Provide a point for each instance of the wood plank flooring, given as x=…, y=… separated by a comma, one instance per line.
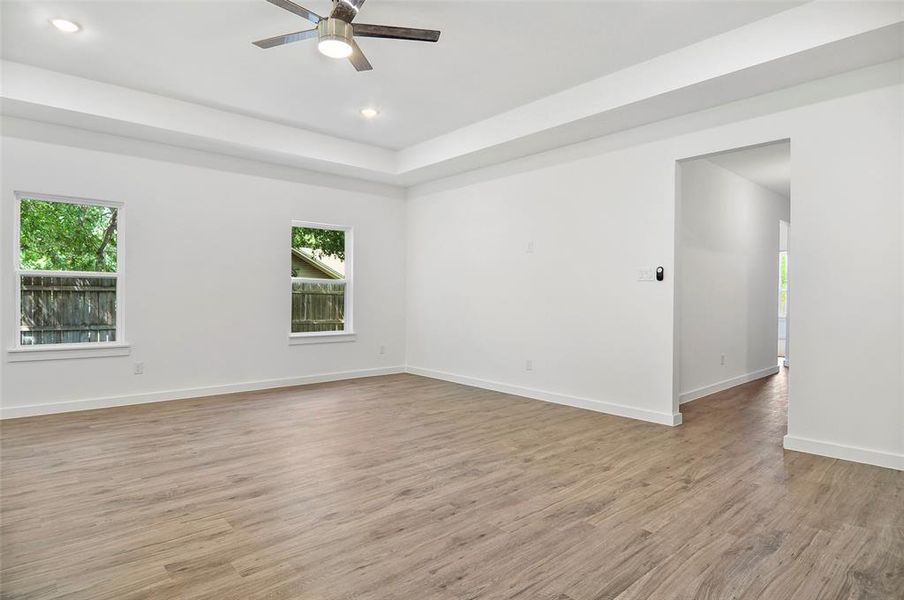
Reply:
x=402, y=487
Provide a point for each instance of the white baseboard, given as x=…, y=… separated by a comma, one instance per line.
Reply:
x=609, y=408
x=879, y=458
x=12, y=412
x=726, y=384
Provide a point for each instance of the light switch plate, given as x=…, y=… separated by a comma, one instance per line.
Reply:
x=646, y=274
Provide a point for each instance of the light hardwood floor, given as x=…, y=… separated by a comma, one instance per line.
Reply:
x=402, y=487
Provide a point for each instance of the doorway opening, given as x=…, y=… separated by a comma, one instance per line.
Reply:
x=732, y=274
x=784, y=287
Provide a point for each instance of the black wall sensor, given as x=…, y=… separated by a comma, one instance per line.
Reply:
x=660, y=273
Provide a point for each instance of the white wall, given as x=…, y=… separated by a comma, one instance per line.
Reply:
x=207, y=267
x=479, y=305
x=728, y=278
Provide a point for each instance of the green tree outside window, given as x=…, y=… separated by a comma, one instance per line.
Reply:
x=59, y=236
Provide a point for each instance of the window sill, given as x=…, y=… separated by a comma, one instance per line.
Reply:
x=66, y=351
x=321, y=338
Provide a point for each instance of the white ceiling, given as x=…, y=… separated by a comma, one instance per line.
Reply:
x=768, y=166
x=492, y=57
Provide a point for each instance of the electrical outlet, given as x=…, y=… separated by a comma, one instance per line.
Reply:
x=529, y=365
x=530, y=247
x=138, y=368
x=382, y=349
x=722, y=360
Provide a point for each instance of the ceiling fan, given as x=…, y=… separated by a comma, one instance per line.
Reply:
x=336, y=33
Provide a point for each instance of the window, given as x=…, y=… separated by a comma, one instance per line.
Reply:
x=321, y=279
x=782, y=284
x=68, y=272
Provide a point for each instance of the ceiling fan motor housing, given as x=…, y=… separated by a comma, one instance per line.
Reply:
x=335, y=29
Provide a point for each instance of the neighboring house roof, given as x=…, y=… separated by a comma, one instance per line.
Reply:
x=321, y=270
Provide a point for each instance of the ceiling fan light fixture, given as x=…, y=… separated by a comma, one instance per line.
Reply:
x=335, y=38
x=334, y=48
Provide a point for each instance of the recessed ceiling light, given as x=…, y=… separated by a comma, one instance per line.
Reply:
x=369, y=113
x=66, y=25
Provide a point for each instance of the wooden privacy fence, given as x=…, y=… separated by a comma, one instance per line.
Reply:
x=317, y=306
x=62, y=310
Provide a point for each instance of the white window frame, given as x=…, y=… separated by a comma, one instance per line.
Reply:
x=18, y=351
x=348, y=332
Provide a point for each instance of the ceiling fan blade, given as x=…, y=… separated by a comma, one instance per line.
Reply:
x=346, y=9
x=288, y=38
x=358, y=59
x=298, y=10
x=395, y=33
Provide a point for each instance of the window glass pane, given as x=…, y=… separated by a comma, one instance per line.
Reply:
x=318, y=253
x=59, y=236
x=783, y=284
x=318, y=306
x=68, y=310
